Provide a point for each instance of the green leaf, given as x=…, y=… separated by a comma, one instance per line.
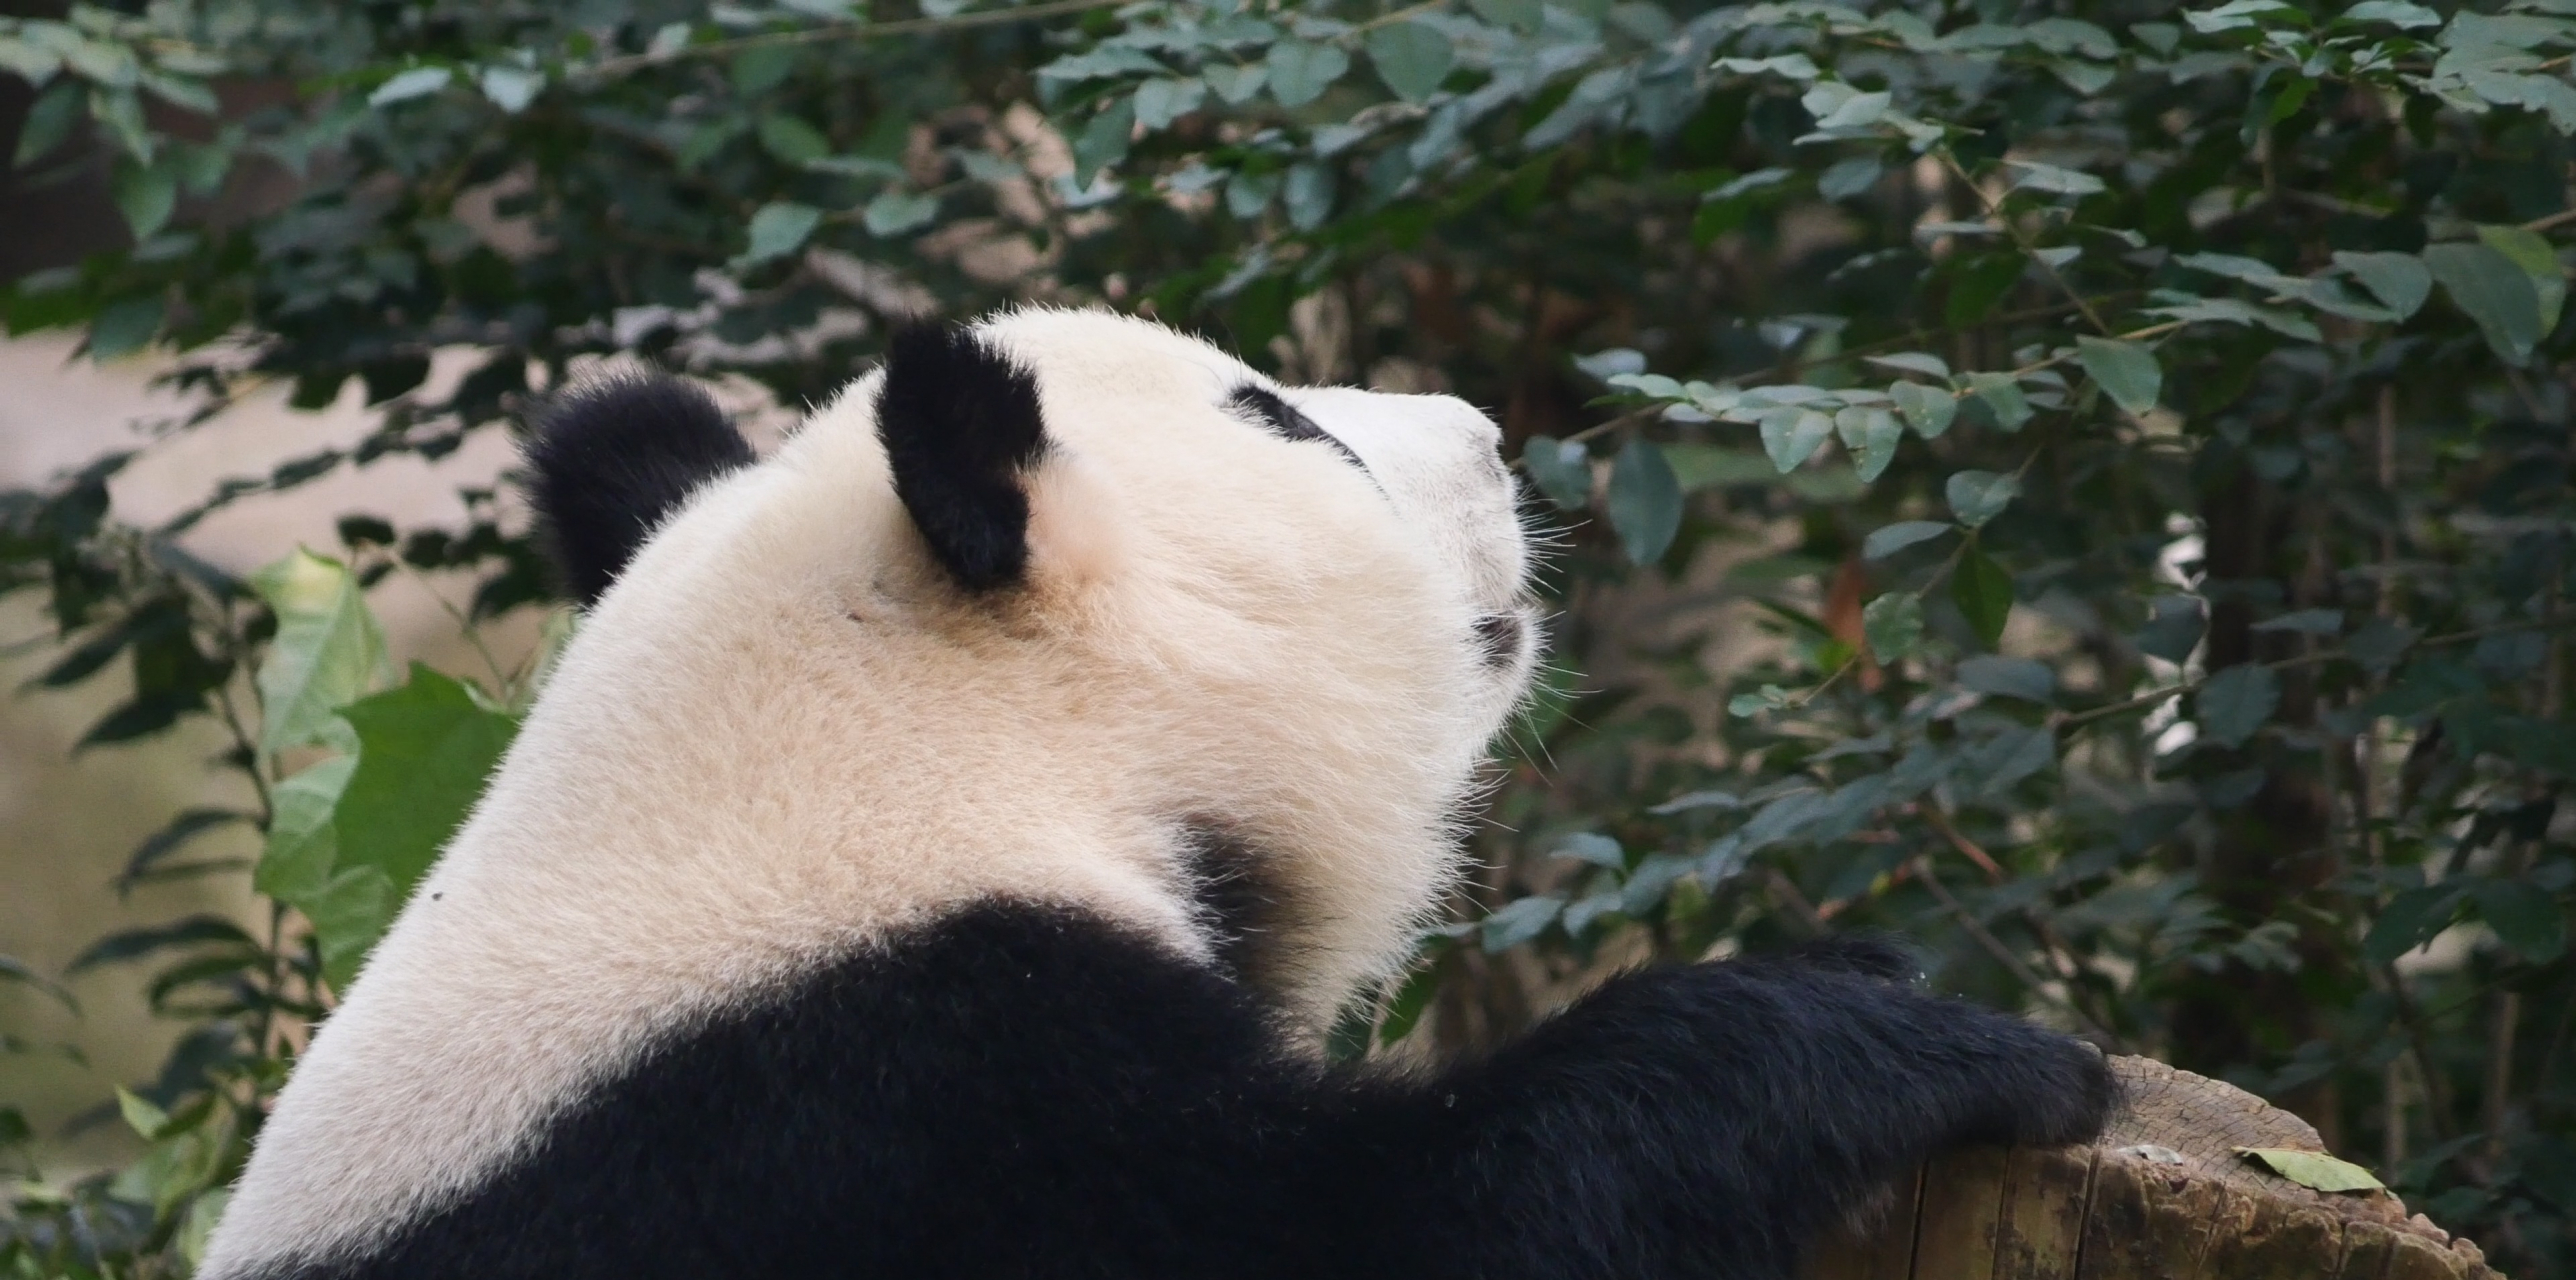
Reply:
x=1103, y=142
x=2054, y=180
x=1887, y=541
x=2174, y=626
x=1929, y=410
x=2236, y=701
x=424, y=750
x=1691, y=800
x=145, y=194
x=1645, y=501
x=2494, y=291
x=1849, y=178
x=763, y=67
x=328, y=650
x=1562, y=469
x=418, y=82
x=1922, y=362
x=510, y=88
x=1984, y=594
x=2008, y=677
x=2237, y=311
x=894, y=212
x=204, y=1213
x=1248, y=194
x=1300, y=71
x=1411, y=1001
x=2396, y=13
x=2398, y=280
x=145, y=1119
x=122, y=113
x=1309, y=195
x=1792, y=435
x=1980, y=283
x=1979, y=496
x=1108, y=62
x=2234, y=15
x=50, y=122
x=2532, y=252
x=126, y=326
x=792, y=140
x=1412, y=57
x=2126, y=371
x=1519, y=921
x=779, y=228
x=1160, y=102
x=2409, y=921
x=1521, y=14
x=1893, y=625
x=2314, y=1170
x=1871, y=435
x=1237, y=85
x=1592, y=847
x=2379, y=643
x=1837, y=105
x=296, y=864
x=2525, y=917
x=349, y=916
x=1796, y=66
x=1701, y=466
x=28, y=61
x=1994, y=765
x=2306, y=622
x=2003, y=396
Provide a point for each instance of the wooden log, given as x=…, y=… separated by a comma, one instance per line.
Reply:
x=2163, y=1196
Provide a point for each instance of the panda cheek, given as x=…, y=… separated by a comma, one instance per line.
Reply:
x=1500, y=638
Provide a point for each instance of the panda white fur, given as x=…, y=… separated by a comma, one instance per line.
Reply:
x=943, y=845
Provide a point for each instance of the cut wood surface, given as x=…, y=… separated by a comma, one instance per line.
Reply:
x=2163, y=1196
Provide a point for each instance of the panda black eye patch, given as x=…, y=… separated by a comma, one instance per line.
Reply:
x=1284, y=421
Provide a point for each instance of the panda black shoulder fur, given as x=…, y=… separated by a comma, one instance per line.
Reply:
x=942, y=845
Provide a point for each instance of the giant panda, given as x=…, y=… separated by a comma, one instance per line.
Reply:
x=946, y=841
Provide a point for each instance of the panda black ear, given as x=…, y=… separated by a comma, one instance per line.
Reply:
x=962, y=430
x=609, y=460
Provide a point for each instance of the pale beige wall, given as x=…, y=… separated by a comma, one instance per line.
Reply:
x=67, y=823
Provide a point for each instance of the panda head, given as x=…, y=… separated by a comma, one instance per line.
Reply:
x=1063, y=605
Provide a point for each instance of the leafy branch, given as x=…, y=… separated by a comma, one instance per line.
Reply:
x=828, y=33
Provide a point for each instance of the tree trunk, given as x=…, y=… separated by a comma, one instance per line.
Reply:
x=2163, y=1196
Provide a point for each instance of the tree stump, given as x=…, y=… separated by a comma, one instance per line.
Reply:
x=2163, y=1196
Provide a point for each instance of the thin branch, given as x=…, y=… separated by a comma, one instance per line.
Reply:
x=1967, y=848
x=2552, y=222
x=2157, y=697
x=1390, y=19
x=464, y=627
x=2003, y=955
x=610, y=68
x=2021, y=241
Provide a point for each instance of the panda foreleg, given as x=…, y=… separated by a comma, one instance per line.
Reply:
x=1711, y=1120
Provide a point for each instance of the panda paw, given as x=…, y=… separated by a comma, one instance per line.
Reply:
x=1966, y=1073
x=2069, y=1095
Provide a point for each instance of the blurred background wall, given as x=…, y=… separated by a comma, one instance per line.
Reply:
x=67, y=822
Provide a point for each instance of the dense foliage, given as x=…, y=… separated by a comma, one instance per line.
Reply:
x=2086, y=484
